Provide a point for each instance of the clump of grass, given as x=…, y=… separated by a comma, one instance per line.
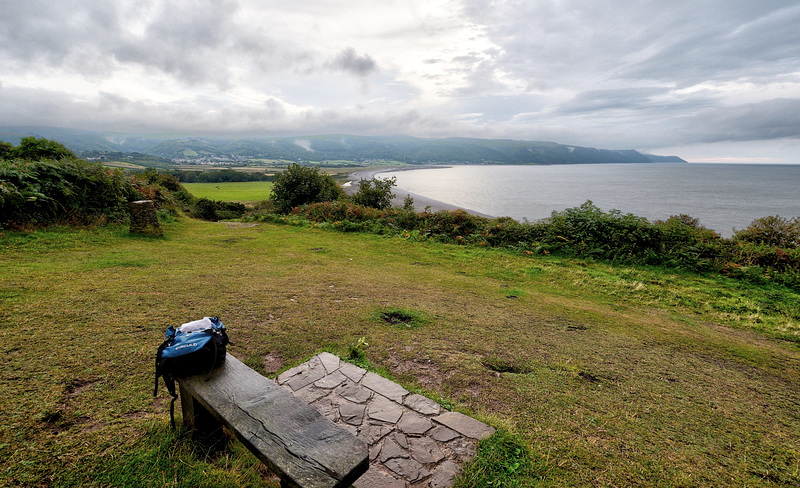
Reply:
x=401, y=317
x=356, y=353
x=502, y=460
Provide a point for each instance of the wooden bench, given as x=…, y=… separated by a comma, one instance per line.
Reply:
x=296, y=442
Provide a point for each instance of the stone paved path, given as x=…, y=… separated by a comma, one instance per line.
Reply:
x=413, y=442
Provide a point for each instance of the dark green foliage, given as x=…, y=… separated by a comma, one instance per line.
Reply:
x=688, y=245
x=66, y=191
x=585, y=231
x=408, y=203
x=215, y=210
x=35, y=149
x=219, y=176
x=5, y=150
x=772, y=231
x=375, y=193
x=588, y=231
x=301, y=185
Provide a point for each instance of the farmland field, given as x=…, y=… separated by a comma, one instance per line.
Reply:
x=247, y=191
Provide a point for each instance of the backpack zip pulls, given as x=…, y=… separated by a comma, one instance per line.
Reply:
x=193, y=348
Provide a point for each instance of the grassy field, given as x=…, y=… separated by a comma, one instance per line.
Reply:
x=612, y=376
x=247, y=191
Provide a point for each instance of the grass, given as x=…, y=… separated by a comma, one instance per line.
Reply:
x=247, y=191
x=600, y=375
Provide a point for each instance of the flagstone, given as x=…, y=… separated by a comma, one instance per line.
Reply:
x=382, y=386
x=464, y=425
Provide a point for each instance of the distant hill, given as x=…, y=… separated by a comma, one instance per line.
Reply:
x=409, y=150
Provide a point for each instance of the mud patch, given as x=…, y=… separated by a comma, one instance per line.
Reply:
x=77, y=387
x=273, y=362
x=428, y=374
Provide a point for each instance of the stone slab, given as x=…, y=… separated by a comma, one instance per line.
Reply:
x=384, y=410
x=354, y=393
x=353, y=372
x=382, y=386
x=329, y=362
x=352, y=413
x=423, y=405
x=414, y=424
x=465, y=425
x=331, y=380
x=425, y=450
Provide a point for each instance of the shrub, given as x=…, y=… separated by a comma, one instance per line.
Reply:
x=772, y=231
x=408, y=203
x=687, y=244
x=587, y=230
x=37, y=149
x=375, y=193
x=6, y=150
x=66, y=191
x=301, y=185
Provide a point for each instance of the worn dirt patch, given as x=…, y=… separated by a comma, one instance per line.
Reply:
x=77, y=387
x=428, y=374
x=273, y=362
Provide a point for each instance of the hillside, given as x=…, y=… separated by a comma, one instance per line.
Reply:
x=608, y=375
x=333, y=148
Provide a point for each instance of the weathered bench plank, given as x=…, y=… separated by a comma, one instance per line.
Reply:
x=292, y=438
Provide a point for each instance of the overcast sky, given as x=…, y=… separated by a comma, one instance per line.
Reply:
x=703, y=79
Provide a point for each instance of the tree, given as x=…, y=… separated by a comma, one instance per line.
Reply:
x=38, y=149
x=300, y=185
x=375, y=193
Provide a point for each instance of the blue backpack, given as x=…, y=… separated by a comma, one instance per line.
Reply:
x=193, y=348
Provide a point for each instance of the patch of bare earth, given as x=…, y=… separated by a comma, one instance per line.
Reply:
x=273, y=363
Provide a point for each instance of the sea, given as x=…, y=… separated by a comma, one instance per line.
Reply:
x=723, y=197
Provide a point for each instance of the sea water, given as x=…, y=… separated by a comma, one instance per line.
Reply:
x=721, y=196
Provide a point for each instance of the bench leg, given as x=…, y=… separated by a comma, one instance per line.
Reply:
x=205, y=427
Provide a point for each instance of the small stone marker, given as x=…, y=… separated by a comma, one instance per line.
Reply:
x=144, y=219
x=412, y=441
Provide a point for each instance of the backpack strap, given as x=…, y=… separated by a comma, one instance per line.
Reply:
x=169, y=382
x=158, y=365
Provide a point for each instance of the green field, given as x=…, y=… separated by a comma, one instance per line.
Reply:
x=610, y=375
x=247, y=191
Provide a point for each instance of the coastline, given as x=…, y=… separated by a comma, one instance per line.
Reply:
x=420, y=202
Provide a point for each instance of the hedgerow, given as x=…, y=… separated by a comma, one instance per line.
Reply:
x=66, y=191
x=38, y=193
x=585, y=232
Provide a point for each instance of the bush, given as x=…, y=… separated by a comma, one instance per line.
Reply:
x=301, y=185
x=771, y=231
x=214, y=210
x=33, y=149
x=680, y=242
x=375, y=193
x=588, y=231
x=65, y=191
x=687, y=244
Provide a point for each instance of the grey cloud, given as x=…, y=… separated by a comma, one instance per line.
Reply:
x=682, y=41
x=740, y=44
x=350, y=62
x=25, y=106
x=195, y=42
x=773, y=119
x=616, y=99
